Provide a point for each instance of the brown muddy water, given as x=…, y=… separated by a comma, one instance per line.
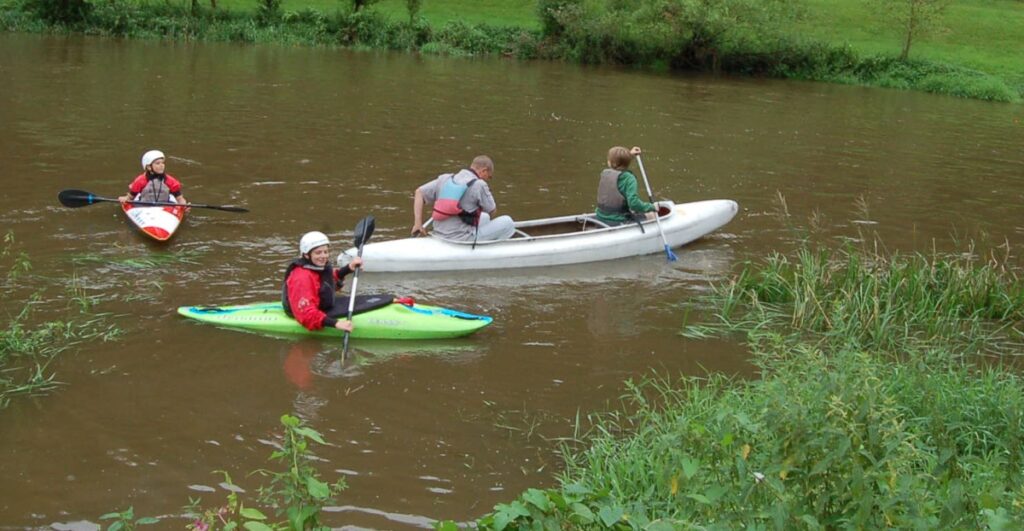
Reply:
x=316, y=139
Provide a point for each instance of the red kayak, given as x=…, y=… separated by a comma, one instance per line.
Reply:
x=157, y=222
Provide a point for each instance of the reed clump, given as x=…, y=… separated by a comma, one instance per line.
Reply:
x=29, y=346
x=864, y=300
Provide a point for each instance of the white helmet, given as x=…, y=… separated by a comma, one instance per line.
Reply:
x=150, y=156
x=312, y=240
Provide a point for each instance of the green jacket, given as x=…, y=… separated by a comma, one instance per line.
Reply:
x=627, y=186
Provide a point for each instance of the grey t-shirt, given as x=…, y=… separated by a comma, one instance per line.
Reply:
x=476, y=196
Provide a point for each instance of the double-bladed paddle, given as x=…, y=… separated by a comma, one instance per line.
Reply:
x=657, y=215
x=81, y=198
x=364, y=229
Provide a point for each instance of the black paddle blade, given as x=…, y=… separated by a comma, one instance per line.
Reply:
x=364, y=229
x=77, y=198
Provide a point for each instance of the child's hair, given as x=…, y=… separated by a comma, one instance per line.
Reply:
x=619, y=158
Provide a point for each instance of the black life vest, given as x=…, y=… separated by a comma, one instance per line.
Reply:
x=327, y=285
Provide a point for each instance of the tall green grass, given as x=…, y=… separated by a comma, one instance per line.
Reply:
x=854, y=299
x=873, y=409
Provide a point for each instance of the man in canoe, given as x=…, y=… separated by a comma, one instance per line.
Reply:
x=310, y=282
x=463, y=207
x=618, y=201
x=153, y=184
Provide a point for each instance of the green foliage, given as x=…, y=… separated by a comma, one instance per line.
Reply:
x=69, y=13
x=554, y=13
x=125, y=520
x=296, y=494
x=268, y=11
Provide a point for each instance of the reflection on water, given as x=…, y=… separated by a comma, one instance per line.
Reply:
x=316, y=139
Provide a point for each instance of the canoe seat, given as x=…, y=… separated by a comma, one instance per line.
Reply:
x=592, y=220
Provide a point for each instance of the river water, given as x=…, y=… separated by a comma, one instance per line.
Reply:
x=315, y=139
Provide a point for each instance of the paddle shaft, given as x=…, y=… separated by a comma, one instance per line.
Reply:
x=657, y=215
x=80, y=198
x=351, y=305
x=352, y=294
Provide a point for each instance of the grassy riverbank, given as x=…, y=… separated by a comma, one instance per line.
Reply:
x=837, y=41
x=883, y=403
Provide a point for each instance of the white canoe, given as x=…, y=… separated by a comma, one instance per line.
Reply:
x=550, y=241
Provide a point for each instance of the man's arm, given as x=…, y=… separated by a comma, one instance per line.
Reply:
x=417, y=214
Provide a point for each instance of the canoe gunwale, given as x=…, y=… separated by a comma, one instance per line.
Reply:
x=581, y=219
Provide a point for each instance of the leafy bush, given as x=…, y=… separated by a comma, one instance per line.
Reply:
x=553, y=14
x=268, y=11
x=69, y=13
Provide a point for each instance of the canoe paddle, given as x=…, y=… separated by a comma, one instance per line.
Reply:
x=657, y=215
x=364, y=229
x=81, y=198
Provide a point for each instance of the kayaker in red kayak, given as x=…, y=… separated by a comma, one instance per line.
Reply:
x=154, y=184
x=310, y=283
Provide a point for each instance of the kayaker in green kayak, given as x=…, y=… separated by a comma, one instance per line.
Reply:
x=618, y=201
x=310, y=283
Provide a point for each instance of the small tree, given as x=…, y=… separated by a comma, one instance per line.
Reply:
x=414, y=9
x=912, y=18
x=268, y=11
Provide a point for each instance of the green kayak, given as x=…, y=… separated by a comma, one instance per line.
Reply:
x=391, y=321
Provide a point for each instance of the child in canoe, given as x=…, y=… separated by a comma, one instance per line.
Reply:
x=617, y=198
x=310, y=282
x=153, y=184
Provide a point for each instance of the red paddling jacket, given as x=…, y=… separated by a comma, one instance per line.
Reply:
x=308, y=292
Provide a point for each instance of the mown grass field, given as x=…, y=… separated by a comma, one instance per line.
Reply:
x=986, y=35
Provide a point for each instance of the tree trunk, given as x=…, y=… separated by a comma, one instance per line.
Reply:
x=906, y=46
x=911, y=27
